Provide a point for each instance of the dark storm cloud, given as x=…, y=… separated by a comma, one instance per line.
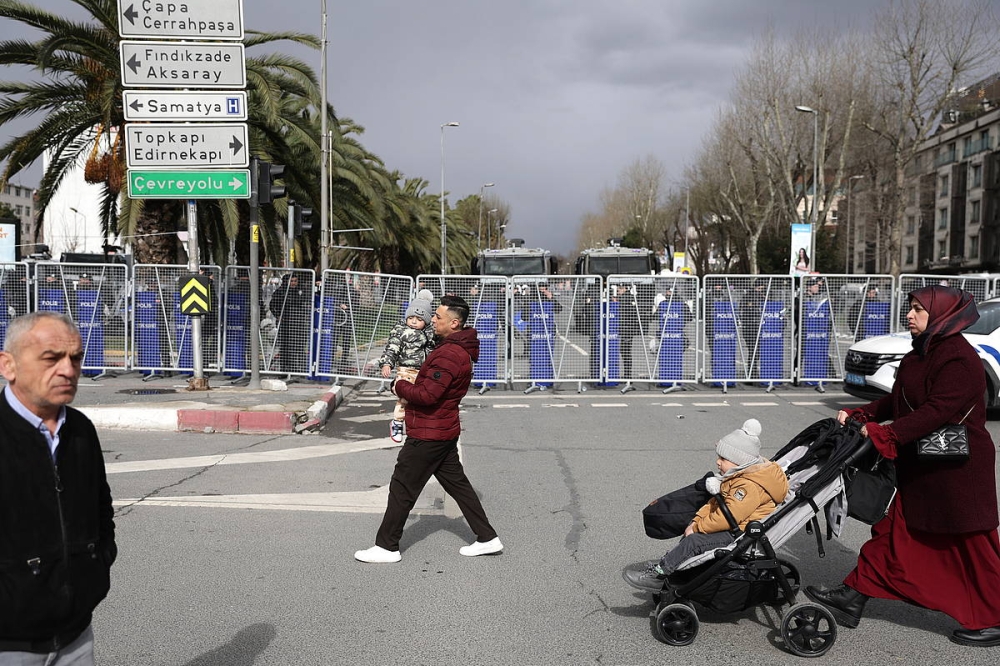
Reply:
x=555, y=97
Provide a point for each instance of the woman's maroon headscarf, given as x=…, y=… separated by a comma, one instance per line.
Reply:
x=950, y=311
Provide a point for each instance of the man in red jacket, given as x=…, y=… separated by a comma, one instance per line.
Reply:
x=432, y=430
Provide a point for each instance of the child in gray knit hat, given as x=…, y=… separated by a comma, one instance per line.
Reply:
x=750, y=485
x=409, y=343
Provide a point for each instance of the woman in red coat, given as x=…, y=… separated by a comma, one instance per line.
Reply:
x=938, y=547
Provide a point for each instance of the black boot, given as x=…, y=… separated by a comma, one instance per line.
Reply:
x=845, y=603
x=977, y=637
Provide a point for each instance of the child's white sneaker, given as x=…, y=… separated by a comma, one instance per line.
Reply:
x=476, y=548
x=378, y=555
x=396, y=431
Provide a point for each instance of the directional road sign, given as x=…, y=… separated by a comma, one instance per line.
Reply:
x=221, y=184
x=196, y=296
x=181, y=19
x=191, y=145
x=182, y=65
x=181, y=106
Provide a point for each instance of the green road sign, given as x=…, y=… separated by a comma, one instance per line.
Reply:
x=179, y=184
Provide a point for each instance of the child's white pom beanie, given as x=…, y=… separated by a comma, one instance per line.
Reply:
x=741, y=446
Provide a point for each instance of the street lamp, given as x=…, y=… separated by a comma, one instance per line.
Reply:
x=812, y=234
x=479, y=243
x=489, y=228
x=444, y=227
x=848, y=251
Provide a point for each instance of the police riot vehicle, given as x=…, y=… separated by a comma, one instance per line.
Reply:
x=515, y=259
x=617, y=260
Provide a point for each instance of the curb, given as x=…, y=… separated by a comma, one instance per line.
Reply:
x=321, y=410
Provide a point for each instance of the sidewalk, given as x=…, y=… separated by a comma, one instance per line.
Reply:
x=127, y=402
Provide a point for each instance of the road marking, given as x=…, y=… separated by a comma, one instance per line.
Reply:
x=360, y=501
x=568, y=404
x=758, y=404
x=369, y=404
x=579, y=349
x=609, y=404
x=282, y=455
x=808, y=404
x=710, y=404
x=514, y=406
x=672, y=404
x=367, y=418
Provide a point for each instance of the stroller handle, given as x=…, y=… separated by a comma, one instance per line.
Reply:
x=862, y=450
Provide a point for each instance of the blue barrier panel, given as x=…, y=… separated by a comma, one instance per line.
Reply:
x=772, y=341
x=147, y=331
x=3, y=317
x=670, y=361
x=237, y=330
x=876, y=319
x=486, y=370
x=724, y=340
x=53, y=300
x=185, y=342
x=91, y=327
x=817, y=325
x=612, y=358
x=541, y=326
x=326, y=348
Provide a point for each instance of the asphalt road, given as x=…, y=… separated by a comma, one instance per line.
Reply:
x=237, y=550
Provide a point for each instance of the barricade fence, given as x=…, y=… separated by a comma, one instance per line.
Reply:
x=534, y=330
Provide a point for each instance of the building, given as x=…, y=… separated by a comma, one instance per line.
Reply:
x=21, y=200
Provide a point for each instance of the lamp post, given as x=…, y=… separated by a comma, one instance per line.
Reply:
x=812, y=234
x=848, y=252
x=479, y=242
x=489, y=228
x=324, y=137
x=444, y=227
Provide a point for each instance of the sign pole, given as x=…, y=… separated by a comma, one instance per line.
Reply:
x=198, y=382
x=254, y=278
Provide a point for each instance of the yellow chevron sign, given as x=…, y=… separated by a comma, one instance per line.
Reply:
x=196, y=295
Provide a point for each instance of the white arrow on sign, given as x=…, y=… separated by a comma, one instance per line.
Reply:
x=184, y=106
x=193, y=145
x=218, y=19
x=182, y=65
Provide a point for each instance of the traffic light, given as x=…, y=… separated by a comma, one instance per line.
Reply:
x=301, y=220
x=267, y=190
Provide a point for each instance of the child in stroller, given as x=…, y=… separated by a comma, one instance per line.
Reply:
x=750, y=487
x=746, y=572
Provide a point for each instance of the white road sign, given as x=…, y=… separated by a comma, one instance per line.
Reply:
x=182, y=65
x=181, y=19
x=155, y=145
x=181, y=106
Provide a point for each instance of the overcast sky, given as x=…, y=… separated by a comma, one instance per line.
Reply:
x=554, y=97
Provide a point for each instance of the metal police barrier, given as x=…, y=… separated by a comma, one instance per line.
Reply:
x=651, y=330
x=979, y=287
x=355, y=313
x=747, y=324
x=14, y=295
x=834, y=312
x=285, y=335
x=161, y=339
x=96, y=297
x=488, y=314
x=555, y=324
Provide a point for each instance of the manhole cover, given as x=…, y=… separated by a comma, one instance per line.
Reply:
x=152, y=391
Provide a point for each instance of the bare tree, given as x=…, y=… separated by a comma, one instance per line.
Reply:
x=922, y=51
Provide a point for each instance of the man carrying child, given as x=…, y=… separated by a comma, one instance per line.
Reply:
x=407, y=349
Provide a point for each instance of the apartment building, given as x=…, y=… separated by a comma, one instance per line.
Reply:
x=21, y=200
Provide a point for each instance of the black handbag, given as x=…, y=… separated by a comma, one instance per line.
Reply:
x=870, y=487
x=949, y=443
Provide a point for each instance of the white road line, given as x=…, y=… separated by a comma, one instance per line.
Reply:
x=758, y=404
x=609, y=404
x=808, y=404
x=672, y=404
x=369, y=404
x=710, y=404
x=568, y=404
x=579, y=349
x=514, y=406
x=367, y=418
x=281, y=455
x=361, y=501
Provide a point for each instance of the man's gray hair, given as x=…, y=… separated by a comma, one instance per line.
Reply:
x=21, y=325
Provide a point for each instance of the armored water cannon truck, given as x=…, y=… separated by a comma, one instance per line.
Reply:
x=617, y=260
x=515, y=259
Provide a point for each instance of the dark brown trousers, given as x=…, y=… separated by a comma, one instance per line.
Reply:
x=418, y=460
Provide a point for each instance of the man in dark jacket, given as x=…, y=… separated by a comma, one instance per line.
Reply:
x=431, y=446
x=57, y=533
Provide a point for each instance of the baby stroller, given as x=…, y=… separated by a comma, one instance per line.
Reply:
x=819, y=462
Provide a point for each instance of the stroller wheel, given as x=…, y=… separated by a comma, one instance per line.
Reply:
x=794, y=579
x=677, y=624
x=808, y=630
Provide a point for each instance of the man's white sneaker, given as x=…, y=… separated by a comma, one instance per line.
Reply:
x=378, y=555
x=476, y=548
x=396, y=431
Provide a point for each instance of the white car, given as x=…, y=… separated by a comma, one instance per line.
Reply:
x=871, y=365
